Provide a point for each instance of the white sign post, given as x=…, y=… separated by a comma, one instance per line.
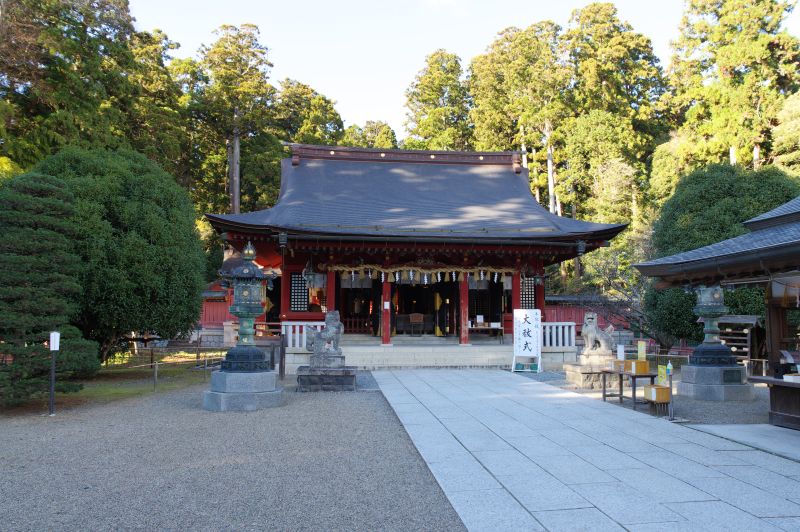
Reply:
x=527, y=340
x=55, y=340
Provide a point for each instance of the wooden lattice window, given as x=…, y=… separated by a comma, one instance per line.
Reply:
x=299, y=293
x=528, y=293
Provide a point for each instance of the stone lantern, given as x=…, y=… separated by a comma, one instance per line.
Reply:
x=713, y=373
x=249, y=297
x=245, y=380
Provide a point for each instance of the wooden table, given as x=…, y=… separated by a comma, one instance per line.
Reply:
x=784, y=401
x=632, y=376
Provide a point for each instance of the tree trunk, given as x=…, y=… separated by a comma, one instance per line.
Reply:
x=732, y=155
x=551, y=180
x=233, y=164
x=756, y=156
x=235, y=180
x=578, y=265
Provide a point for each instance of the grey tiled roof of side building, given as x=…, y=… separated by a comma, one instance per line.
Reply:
x=790, y=207
x=412, y=200
x=763, y=239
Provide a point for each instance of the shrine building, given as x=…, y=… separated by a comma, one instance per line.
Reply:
x=435, y=243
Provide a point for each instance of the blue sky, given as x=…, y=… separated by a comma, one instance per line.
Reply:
x=364, y=54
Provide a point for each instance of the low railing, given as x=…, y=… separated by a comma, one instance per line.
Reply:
x=295, y=332
x=558, y=334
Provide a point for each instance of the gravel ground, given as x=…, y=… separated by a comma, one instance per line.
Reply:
x=325, y=461
x=686, y=409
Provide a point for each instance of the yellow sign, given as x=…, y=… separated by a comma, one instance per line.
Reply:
x=642, y=350
x=662, y=374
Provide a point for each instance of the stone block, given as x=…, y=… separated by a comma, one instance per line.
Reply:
x=713, y=374
x=716, y=392
x=240, y=382
x=242, y=402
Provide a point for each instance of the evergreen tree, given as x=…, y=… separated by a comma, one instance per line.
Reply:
x=234, y=94
x=732, y=67
x=786, y=135
x=374, y=134
x=64, y=76
x=142, y=260
x=438, y=106
x=39, y=288
x=301, y=114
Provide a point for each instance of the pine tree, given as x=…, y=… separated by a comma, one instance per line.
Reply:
x=39, y=288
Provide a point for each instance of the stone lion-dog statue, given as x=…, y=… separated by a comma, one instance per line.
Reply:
x=596, y=340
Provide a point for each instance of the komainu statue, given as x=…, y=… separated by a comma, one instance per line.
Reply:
x=326, y=341
x=596, y=340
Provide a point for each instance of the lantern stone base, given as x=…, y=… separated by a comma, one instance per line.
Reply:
x=243, y=392
x=715, y=383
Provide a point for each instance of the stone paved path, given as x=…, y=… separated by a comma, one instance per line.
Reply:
x=515, y=454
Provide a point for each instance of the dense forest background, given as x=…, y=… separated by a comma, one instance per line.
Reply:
x=609, y=133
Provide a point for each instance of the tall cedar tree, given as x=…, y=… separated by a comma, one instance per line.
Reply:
x=438, y=106
x=236, y=94
x=732, y=68
x=39, y=288
x=142, y=259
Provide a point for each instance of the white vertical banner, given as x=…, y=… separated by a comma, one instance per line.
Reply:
x=528, y=337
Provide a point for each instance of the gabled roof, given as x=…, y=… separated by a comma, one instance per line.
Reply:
x=789, y=211
x=418, y=195
x=772, y=244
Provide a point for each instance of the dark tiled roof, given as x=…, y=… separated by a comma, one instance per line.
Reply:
x=789, y=211
x=755, y=246
x=401, y=199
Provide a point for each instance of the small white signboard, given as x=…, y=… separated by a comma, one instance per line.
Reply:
x=527, y=340
x=620, y=352
x=55, y=337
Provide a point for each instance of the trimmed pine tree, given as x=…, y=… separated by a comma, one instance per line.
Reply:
x=39, y=288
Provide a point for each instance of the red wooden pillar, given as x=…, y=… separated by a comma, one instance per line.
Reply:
x=538, y=295
x=330, y=291
x=386, y=314
x=516, y=291
x=463, y=305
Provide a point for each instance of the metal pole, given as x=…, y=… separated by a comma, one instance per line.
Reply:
x=52, y=383
x=671, y=410
x=155, y=375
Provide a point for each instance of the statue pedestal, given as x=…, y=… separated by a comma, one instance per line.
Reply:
x=585, y=374
x=312, y=379
x=243, y=391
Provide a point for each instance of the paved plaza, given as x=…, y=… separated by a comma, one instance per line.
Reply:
x=514, y=454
